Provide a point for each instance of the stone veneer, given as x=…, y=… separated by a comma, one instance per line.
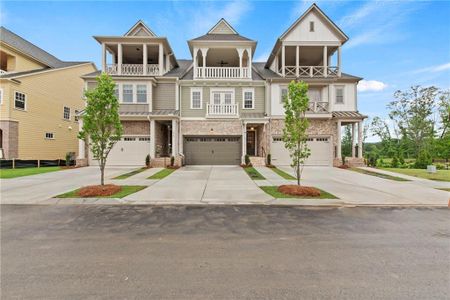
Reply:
x=136, y=127
x=211, y=127
x=10, y=139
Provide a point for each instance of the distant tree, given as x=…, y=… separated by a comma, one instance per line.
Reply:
x=101, y=122
x=346, y=142
x=294, y=132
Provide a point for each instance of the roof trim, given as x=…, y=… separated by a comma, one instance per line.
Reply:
x=140, y=23
x=222, y=20
x=46, y=70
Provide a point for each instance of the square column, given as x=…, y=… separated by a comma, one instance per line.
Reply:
x=325, y=61
x=283, y=61
x=353, y=139
x=103, y=57
x=144, y=58
x=244, y=141
x=204, y=53
x=81, y=143
x=339, y=61
x=119, y=59
x=360, y=139
x=174, y=138
x=297, y=61
x=152, y=139
x=160, y=59
x=338, y=148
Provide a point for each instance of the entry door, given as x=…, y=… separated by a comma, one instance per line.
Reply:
x=251, y=143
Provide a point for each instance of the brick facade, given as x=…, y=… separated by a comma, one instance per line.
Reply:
x=211, y=127
x=136, y=127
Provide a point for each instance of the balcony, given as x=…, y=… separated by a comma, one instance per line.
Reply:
x=222, y=110
x=222, y=73
x=318, y=107
x=133, y=69
x=309, y=71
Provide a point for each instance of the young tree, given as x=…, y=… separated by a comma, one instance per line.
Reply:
x=101, y=122
x=294, y=132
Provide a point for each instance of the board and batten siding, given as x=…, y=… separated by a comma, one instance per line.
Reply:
x=187, y=112
x=164, y=96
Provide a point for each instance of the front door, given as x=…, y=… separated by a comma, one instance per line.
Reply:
x=251, y=143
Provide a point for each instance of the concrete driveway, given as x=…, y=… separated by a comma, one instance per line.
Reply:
x=40, y=187
x=206, y=184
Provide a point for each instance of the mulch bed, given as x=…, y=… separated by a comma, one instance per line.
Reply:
x=99, y=190
x=343, y=167
x=172, y=167
x=298, y=190
x=246, y=166
x=271, y=166
x=70, y=167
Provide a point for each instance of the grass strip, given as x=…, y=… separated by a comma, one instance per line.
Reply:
x=273, y=191
x=440, y=175
x=126, y=190
x=376, y=174
x=162, y=174
x=253, y=173
x=20, y=172
x=283, y=174
x=129, y=174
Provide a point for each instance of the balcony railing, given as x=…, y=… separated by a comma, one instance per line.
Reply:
x=222, y=72
x=132, y=69
x=318, y=107
x=222, y=110
x=309, y=71
x=3, y=72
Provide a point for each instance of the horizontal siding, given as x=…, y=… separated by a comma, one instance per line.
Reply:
x=164, y=96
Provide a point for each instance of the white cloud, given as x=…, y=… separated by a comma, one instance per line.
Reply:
x=433, y=69
x=359, y=15
x=262, y=57
x=371, y=86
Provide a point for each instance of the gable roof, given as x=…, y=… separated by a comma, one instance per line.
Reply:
x=140, y=26
x=222, y=27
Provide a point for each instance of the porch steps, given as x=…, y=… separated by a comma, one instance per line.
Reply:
x=258, y=161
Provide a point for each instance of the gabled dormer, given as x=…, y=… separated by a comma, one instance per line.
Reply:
x=139, y=52
x=222, y=53
x=310, y=47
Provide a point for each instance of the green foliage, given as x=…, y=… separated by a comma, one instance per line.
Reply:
x=101, y=122
x=295, y=127
x=423, y=160
x=172, y=161
x=372, y=159
x=147, y=160
x=247, y=159
x=269, y=159
x=394, y=162
x=346, y=143
x=68, y=158
x=253, y=173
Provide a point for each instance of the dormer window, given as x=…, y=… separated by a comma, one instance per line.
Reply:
x=311, y=26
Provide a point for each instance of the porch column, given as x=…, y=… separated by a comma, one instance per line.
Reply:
x=81, y=143
x=325, y=61
x=360, y=139
x=338, y=135
x=152, y=139
x=150, y=97
x=160, y=59
x=297, y=61
x=249, y=63
x=144, y=58
x=240, y=54
x=353, y=139
x=195, y=62
x=119, y=59
x=204, y=53
x=103, y=57
x=339, y=61
x=174, y=138
x=282, y=60
x=244, y=141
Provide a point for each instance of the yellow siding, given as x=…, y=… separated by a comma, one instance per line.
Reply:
x=4, y=106
x=20, y=62
x=47, y=94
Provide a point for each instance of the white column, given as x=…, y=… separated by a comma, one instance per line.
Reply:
x=81, y=143
x=150, y=97
x=204, y=53
x=338, y=149
x=240, y=54
x=144, y=58
x=244, y=141
x=119, y=59
x=297, y=61
x=360, y=139
x=282, y=60
x=195, y=62
x=174, y=138
x=353, y=139
x=167, y=63
x=103, y=57
x=339, y=61
x=160, y=59
x=249, y=63
x=325, y=61
x=152, y=139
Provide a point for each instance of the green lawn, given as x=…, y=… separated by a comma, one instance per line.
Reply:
x=440, y=175
x=129, y=174
x=273, y=191
x=283, y=174
x=445, y=189
x=384, y=176
x=162, y=174
x=255, y=175
x=13, y=173
x=126, y=190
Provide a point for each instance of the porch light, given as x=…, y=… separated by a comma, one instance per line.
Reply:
x=252, y=128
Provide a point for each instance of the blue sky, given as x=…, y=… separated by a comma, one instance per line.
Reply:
x=393, y=44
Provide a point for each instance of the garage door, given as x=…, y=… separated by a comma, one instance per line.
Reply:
x=129, y=151
x=320, y=151
x=212, y=150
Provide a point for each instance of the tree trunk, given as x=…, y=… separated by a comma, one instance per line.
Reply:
x=298, y=165
x=102, y=172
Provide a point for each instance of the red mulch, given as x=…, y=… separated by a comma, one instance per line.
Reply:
x=246, y=166
x=99, y=190
x=343, y=167
x=271, y=166
x=173, y=167
x=70, y=167
x=298, y=190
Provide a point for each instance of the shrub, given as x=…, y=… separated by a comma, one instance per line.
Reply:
x=401, y=160
x=423, y=160
x=343, y=160
x=172, y=161
x=269, y=159
x=69, y=158
x=147, y=160
x=394, y=162
x=247, y=159
x=372, y=160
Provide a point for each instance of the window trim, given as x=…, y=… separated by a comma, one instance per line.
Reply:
x=281, y=92
x=49, y=138
x=25, y=101
x=311, y=26
x=200, y=90
x=222, y=90
x=64, y=113
x=146, y=93
x=247, y=90
x=1, y=96
x=336, y=87
x=133, y=90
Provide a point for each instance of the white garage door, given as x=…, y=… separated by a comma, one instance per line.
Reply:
x=320, y=151
x=129, y=151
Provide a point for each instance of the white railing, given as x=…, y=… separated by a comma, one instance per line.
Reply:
x=222, y=72
x=318, y=107
x=3, y=72
x=132, y=69
x=308, y=71
x=222, y=110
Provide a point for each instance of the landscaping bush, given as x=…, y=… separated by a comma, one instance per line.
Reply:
x=247, y=159
x=343, y=160
x=394, y=162
x=147, y=160
x=269, y=159
x=372, y=160
x=423, y=160
x=172, y=161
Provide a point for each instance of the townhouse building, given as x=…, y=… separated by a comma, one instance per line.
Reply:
x=219, y=106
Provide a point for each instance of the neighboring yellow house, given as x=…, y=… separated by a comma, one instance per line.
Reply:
x=39, y=98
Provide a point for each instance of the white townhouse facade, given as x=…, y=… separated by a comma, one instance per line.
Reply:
x=219, y=106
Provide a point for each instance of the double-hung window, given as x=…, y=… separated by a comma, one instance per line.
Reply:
x=116, y=91
x=249, y=98
x=339, y=94
x=283, y=93
x=1, y=96
x=20, y=100
x=49, y=136
x=222, y=97
x=66, y=113
x=127, y=96
x=314, y=95
x=196, y=98
x=141, y=90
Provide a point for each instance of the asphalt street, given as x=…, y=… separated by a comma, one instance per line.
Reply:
x=232, y=252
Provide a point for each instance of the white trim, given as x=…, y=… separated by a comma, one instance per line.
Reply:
x=140, y=22
x=336, y=87
x=1, y=96
x=51, y=70
x=247, y=90
x=134, y=84
x=25, y=101
x=64, y=113
x=49, y=138
x=196, y=89
x=283, y=86
x=224, y=90
x=226, y=24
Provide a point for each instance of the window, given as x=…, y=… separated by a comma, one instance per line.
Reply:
x=66, y=113
x=249, y=102
x=76, y=115
x=49, y=136
x=1, y=96
x=221, y=96
x=129, y=139
x=127, y=93
x=311, y=26
x=116, y=91
x=141, y=90
x=314, y=95
x=20, y=100
x=284, y=93
x=196, y=98
x=339, y=94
